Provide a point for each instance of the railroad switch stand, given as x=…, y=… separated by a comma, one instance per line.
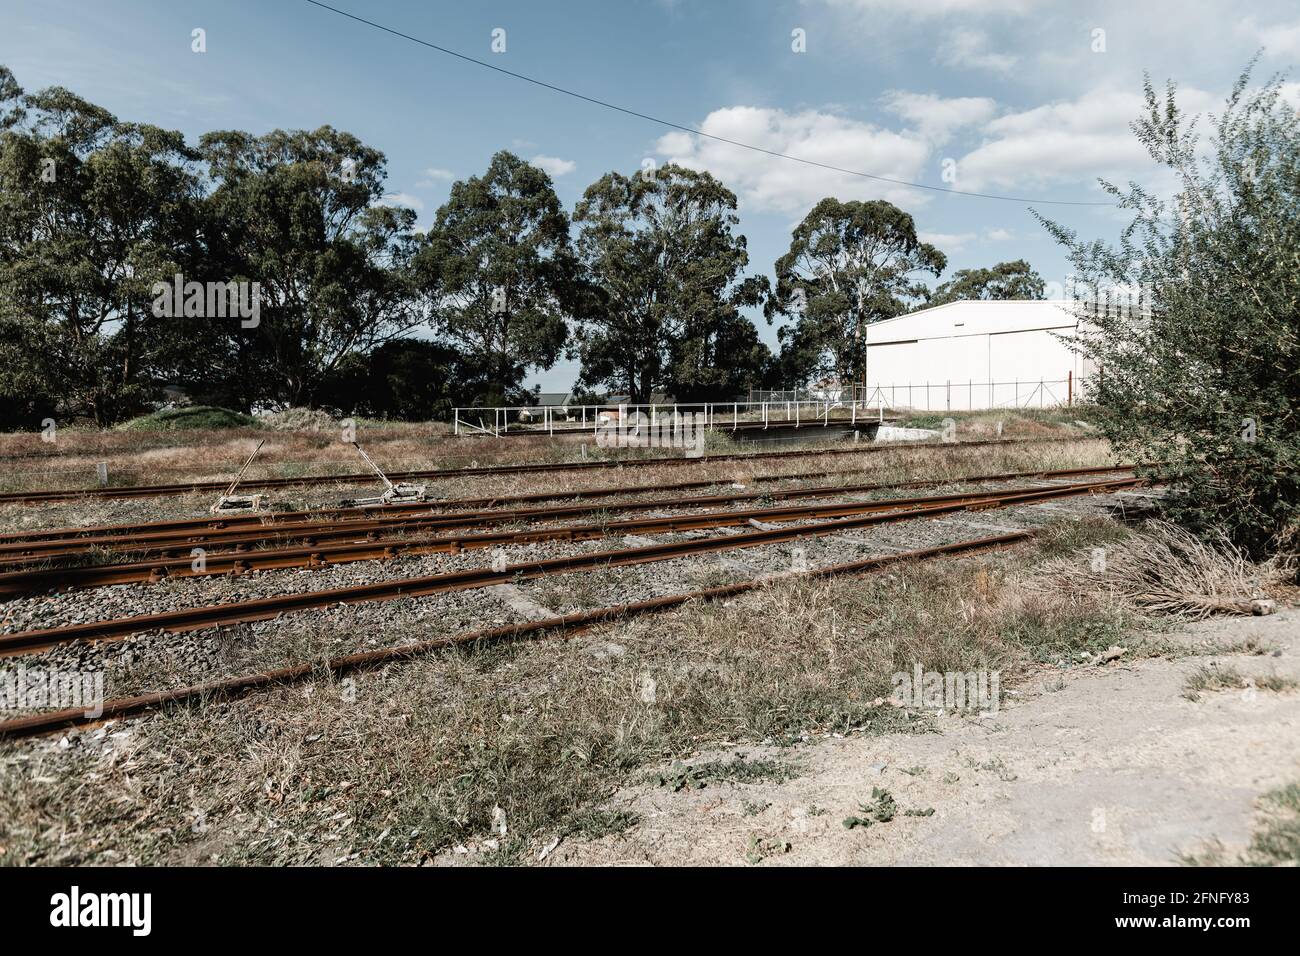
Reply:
x=393, y=493
x=233, y=503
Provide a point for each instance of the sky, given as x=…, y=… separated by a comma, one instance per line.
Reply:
x=1023, y=99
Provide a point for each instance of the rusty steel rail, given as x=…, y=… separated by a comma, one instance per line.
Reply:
x=184, y=488
x=265, y=608
x=373, y=549
x=277, y=519
x=228, y=688
x=174, y=544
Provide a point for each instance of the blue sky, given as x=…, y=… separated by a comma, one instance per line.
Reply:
x=1013, y=95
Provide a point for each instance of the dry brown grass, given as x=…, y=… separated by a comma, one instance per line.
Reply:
x=1020, y=422
x=1169, y=571
x=140, y=457
x=161, y=457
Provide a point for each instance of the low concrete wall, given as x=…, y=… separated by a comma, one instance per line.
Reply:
x=894, y=433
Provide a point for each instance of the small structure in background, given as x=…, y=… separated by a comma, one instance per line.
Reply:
x=557, y=402
x=231, y=502
x=828, y=389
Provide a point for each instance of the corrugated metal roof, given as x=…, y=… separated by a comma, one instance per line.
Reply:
x=974, y=317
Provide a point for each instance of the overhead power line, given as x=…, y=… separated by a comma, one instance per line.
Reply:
x=695, y=132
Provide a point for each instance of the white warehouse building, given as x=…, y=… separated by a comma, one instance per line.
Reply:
x=975, y=355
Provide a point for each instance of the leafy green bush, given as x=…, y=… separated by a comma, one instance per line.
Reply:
x=1204, y=373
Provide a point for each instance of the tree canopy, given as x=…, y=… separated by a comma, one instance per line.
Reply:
x=664, y=287
x=849, y=264
x=498, y=272
x=93, y=211
x=298, y=212
x=1006, y=280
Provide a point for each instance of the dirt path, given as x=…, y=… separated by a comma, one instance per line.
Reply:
x=1097, y=765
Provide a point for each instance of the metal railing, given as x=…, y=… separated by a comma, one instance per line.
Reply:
x=858, y=404
x=559, y=419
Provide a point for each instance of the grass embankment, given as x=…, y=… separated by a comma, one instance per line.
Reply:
x=207, y=417
x=1017, y=422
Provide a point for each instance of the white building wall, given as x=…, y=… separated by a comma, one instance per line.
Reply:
x=975, y=355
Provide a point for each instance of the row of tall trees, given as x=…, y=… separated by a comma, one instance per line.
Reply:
x=646, y=283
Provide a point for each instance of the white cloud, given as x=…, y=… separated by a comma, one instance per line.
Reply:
x=772, y=183
x=948, y=241
x=1278, y=40
x=924, y=9
x=969, y=48
x=1072, y=141
x=553, y=165
x=433, y=175
x=936, y=117
x=402, y=199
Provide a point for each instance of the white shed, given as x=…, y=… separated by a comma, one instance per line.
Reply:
x=976, y=354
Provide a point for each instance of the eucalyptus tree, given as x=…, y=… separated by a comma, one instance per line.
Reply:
x=93, y=212
x=664, y=270
x=1006, y=280
x=849, y=264
x=301, y=214
x=499, y=278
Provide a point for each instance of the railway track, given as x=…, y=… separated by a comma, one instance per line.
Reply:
x=372, y=548
x=228, y=688
x=837, y=518
x=294, y=519
x=142, y=542
x=158, y=491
